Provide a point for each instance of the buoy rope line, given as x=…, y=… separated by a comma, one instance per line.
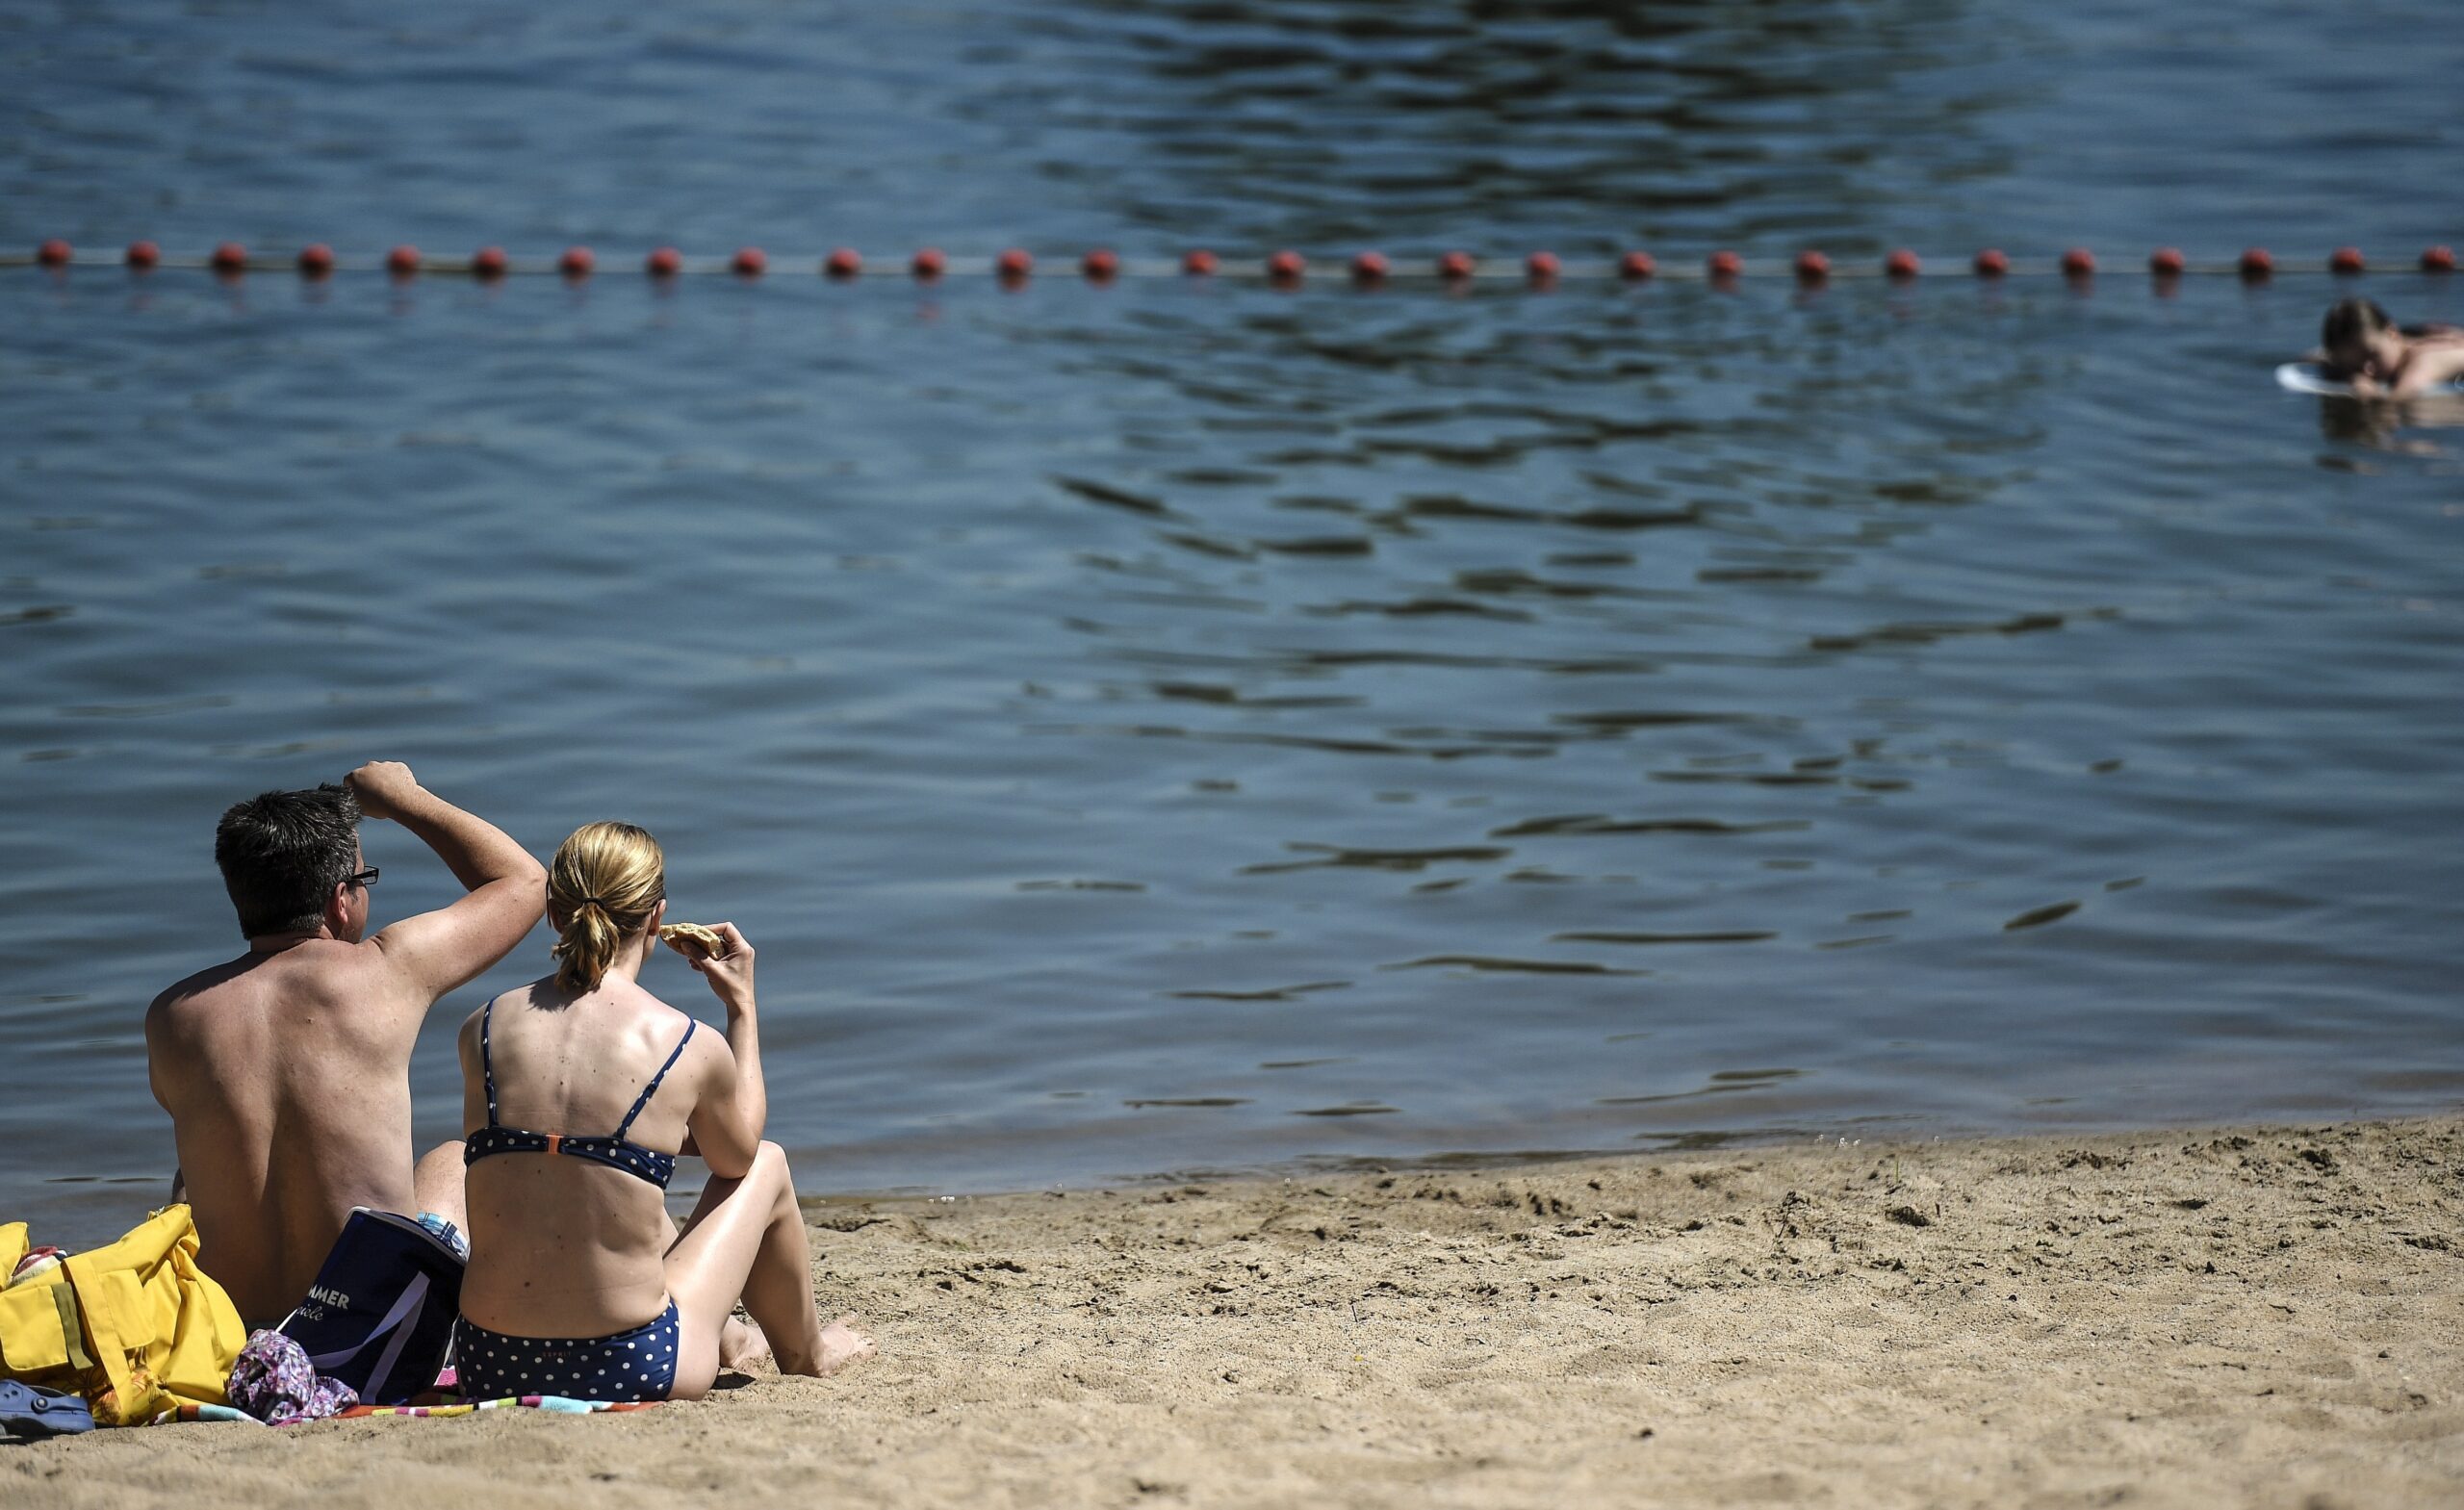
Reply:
x=1539, y=268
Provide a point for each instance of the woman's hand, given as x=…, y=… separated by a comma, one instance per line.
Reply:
x=730, y=973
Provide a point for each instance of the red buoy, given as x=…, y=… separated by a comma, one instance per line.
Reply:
x=1990, y=263
x=2256, y=265
x=1901, y=265
x=1101, y=266
x=1369, y=267
x=53, y=253
x=1636, y=265
x=663, y=261
x=576, y=262
x=1813, y=266
x=1014, y=265
x=2346, y=258
x=842, y=263
x=143, y=254
x=1725, y=265
x=402, y=261
x=2166, y=262
x=488, y=261
x=1541, y=266
x=1287, y=266
x=316, y=260
x=1456, y=266
x=2078, y=262
x=749, y=262
x=2438, y=259
x=928, y=264
x=230, y=257
x=1198, y=262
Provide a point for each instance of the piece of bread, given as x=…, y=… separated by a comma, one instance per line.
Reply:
x=694, y=941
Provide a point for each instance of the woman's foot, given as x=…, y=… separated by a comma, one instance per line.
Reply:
x=741, y=1343
x=842, y=1343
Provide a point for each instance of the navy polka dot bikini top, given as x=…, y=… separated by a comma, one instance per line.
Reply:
x=612, y=1150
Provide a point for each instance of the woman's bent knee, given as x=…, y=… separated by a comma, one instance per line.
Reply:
x=770, y=1164
x=436, y=1184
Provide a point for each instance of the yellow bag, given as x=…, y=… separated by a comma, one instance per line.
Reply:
x=137, y=1327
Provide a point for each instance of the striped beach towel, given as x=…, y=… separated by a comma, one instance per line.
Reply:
x=547, y=1402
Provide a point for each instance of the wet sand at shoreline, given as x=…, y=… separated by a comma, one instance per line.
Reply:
x=2254, y=1315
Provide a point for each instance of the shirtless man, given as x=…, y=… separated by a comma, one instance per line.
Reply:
x=287, y=1071
x=2362, y=346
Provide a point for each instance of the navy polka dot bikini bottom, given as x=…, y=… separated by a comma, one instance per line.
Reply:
x=639, y=1365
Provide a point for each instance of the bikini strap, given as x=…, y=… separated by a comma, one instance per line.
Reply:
x=652, y=1090
x=487, y=1064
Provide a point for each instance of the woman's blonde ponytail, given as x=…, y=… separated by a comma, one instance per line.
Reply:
x=607, y=878
x=586, y=949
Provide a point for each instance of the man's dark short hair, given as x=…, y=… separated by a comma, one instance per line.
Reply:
x=283, y=854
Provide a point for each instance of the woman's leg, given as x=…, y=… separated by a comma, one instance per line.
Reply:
x=436, y=1186
x=746, y=1237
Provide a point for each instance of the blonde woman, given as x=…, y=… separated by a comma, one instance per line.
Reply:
x=581, y=1089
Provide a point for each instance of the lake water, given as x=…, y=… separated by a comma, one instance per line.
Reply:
x=1193, y=725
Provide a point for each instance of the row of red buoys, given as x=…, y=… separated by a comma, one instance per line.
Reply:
x=1102, y=265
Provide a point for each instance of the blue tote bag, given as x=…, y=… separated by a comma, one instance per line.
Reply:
x=380, y=1316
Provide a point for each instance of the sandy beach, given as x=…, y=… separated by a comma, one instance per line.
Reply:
x=2255, y=1315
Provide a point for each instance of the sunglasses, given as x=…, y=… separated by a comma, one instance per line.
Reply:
x=363, y=878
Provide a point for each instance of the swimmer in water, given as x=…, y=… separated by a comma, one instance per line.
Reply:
x=2360, y=346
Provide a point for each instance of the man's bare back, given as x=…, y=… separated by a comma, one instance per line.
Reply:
x=287, y=1071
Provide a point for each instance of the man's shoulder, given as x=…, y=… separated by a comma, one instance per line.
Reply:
x=191, y=992
x=319, y=973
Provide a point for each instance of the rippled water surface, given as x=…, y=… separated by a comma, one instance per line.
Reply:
x=1194, y=725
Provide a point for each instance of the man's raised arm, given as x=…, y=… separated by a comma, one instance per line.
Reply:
x=439, y=950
